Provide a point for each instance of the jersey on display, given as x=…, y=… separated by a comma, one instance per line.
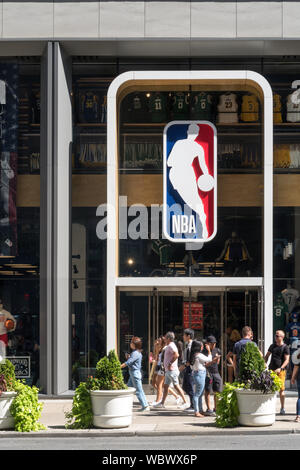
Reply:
x=180, y=105
x=250, y=108
x=290, y=297
x=292, y=110
x=158, y=107
x=202, y=106
x=277, y=108
x=137, y=108
x=280, y=313
x=89, y=110
x=228, y=109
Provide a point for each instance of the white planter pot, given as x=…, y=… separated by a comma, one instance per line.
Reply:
x=6, y=419
x=112, y=408
x=256, y=408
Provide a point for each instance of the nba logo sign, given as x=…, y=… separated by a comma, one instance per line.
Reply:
x=190, y=181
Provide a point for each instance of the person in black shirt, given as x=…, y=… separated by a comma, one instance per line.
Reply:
x=280, y=356
x=213, y=381
x=188, y=381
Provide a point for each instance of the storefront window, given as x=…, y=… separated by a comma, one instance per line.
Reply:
x=20, y=214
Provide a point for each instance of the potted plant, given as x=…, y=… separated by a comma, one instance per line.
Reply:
x=251, y=400
x=103, y=401
x=19, y=405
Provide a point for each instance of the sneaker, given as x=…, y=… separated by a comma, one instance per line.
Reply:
x=179, y=401
x=190, y=410
x=159, y=405
x=147, y=408
x=282, y=411
x=209, y=413
x=182, y=407
x=154, y=403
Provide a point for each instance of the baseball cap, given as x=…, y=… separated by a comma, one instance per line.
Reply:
x=211, y=339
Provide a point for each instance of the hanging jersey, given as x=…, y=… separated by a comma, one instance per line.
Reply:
x=282, y=158
x=137, y=108
x=293, y=331
x=202, y=106
x=103, y=109
x=88, y=107
x=277, y=108
x=295, y=155
x=292, y=110
x=280, y=314
x=227, y=109
x=180, y=105
x=158, y=107
x=250, y=108
x=290, y=297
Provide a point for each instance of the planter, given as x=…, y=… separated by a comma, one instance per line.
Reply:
x=256, y=408
x=112, y=408
x=6, y=419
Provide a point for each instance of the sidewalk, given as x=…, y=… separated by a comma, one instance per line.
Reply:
x=170, y=421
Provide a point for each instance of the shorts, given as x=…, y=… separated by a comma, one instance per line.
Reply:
x=282, y=375
x=171, y=377
x=213, y=383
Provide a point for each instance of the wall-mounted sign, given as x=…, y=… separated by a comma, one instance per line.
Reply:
x=190, y=181
x=194, y=319
x=22, y=366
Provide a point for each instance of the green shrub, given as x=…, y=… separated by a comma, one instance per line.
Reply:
x=250, y=362
x=81, y=415
x=26, y=408
x=227, y=410
x=109, y=373
x=7, y=370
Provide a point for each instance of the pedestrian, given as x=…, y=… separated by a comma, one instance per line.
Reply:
x=280, y=357
x=134, y=364
x=213, y=381
x=188, y=382
x=160, y=374
x=296, y=375
x=247, y=336
x=170, y=363
x=198, y=363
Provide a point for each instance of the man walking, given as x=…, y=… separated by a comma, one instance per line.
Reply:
x=188, y=382
x=171, y=371
x=280, y=356
x=247, y=336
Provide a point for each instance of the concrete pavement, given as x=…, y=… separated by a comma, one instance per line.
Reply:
x=157, y=422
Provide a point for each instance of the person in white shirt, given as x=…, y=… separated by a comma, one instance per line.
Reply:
x=198, y=363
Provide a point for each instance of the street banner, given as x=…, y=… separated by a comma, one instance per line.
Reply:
x=190, y=181
x=8, y=158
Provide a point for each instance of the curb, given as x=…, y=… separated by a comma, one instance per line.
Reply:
x=92, y=433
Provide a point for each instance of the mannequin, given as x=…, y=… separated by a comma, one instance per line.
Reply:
x=235, y=251
x=4, y=316
x=290, y=296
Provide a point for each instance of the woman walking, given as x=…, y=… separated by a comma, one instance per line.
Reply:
x=159, y=374
x=198, y=363
x=296, y=375
x=134, y=364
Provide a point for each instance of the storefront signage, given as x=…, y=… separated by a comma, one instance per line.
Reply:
x=193, y=315
x=22, y=366
x=190, y=181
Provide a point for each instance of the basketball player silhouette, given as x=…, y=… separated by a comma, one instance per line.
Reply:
x=182, y=174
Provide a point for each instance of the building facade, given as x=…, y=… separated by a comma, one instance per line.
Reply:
x=86, y=89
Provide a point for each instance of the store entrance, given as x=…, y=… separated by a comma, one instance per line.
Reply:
x=150, y=313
